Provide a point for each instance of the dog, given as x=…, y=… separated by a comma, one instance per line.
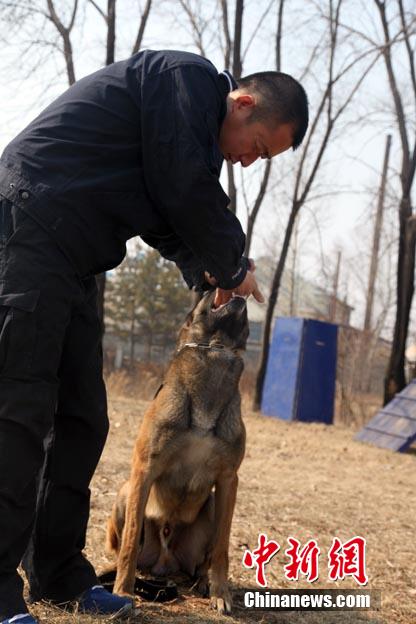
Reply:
x=175, y=512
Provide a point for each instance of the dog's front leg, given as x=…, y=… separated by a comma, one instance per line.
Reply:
x=225, y=496
x=140, y=484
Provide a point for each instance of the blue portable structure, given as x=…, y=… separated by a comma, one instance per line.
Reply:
x=301, y=371
x=394, y=426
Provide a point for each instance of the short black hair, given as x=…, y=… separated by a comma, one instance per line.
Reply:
x=282, y=100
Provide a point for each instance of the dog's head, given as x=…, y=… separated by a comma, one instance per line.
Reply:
x=226, y=325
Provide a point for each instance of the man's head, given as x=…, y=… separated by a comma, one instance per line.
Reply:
x=266, y=115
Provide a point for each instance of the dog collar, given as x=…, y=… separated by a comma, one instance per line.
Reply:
x=216, y=346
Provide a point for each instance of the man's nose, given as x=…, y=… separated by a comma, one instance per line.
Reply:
x=248, y=159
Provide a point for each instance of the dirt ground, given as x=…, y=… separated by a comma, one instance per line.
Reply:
x=301, y=480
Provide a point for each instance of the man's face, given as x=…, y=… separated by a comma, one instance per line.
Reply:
x=243, y=141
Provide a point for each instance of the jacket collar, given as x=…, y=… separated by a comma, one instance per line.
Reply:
x=228, y=83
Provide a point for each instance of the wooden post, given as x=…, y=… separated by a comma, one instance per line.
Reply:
x=333, y=304
x=376, y=240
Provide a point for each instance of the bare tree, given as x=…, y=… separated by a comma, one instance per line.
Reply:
x=233, y=54
x=327, y=115
x=252, y=216
x=395, y=377
x=65, y=33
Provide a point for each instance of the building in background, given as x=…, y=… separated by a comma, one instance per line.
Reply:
x=297, y=297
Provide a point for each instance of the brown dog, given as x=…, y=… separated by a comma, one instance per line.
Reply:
x=167, y=518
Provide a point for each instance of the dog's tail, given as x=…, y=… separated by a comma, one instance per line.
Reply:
x=115, y=523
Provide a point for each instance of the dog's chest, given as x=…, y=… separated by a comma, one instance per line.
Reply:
x=202, y=422
x=183, y=487
x=194, y=460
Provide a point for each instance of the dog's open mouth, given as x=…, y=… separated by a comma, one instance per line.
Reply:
x=230, y=302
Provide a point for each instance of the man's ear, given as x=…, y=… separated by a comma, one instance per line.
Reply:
x=243, y=101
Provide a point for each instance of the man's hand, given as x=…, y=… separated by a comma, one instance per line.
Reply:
x=247, y=287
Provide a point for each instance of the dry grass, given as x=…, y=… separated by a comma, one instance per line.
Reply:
x=297, y=479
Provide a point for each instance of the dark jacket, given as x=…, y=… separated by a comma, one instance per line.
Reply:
x=132, y=150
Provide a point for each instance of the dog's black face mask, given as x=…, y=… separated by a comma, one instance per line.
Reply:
x=226, y=325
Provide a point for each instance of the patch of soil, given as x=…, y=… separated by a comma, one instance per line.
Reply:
x=301, y=480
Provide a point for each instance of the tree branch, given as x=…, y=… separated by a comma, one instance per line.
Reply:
x=410, y=52
x=259, y=23
x=238, y=25
x=227, y=53
x=393, y=83
x=99, y=9
x=279, y=36
x=143, y=22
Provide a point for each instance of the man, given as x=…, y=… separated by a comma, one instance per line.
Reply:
x=134, y=149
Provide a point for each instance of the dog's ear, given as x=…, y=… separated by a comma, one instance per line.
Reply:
x=196, y=298
x=189, y=318
x=186, y=324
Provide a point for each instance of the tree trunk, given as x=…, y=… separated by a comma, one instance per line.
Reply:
x=143, y=22
x=132, y=341
x=236, y=71
x=69, y=59
x=395, y=379
x=257, y=204
x=334, y=297
x=261, y=374
x=149, y=344
x=238, y=26
x=111, y=32
x=232, y=191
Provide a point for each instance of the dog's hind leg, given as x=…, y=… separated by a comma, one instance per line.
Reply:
x=193, y=546
x=150, y=547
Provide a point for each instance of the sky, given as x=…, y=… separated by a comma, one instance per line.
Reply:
x=339, y=216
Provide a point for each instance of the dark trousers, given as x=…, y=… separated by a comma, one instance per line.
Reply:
x=53, y=414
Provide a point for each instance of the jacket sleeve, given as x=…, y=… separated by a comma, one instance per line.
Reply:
x=180, y=108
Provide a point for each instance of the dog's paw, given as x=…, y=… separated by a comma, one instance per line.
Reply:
x=221, y=599
x=123, y=590
x=202, y=586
